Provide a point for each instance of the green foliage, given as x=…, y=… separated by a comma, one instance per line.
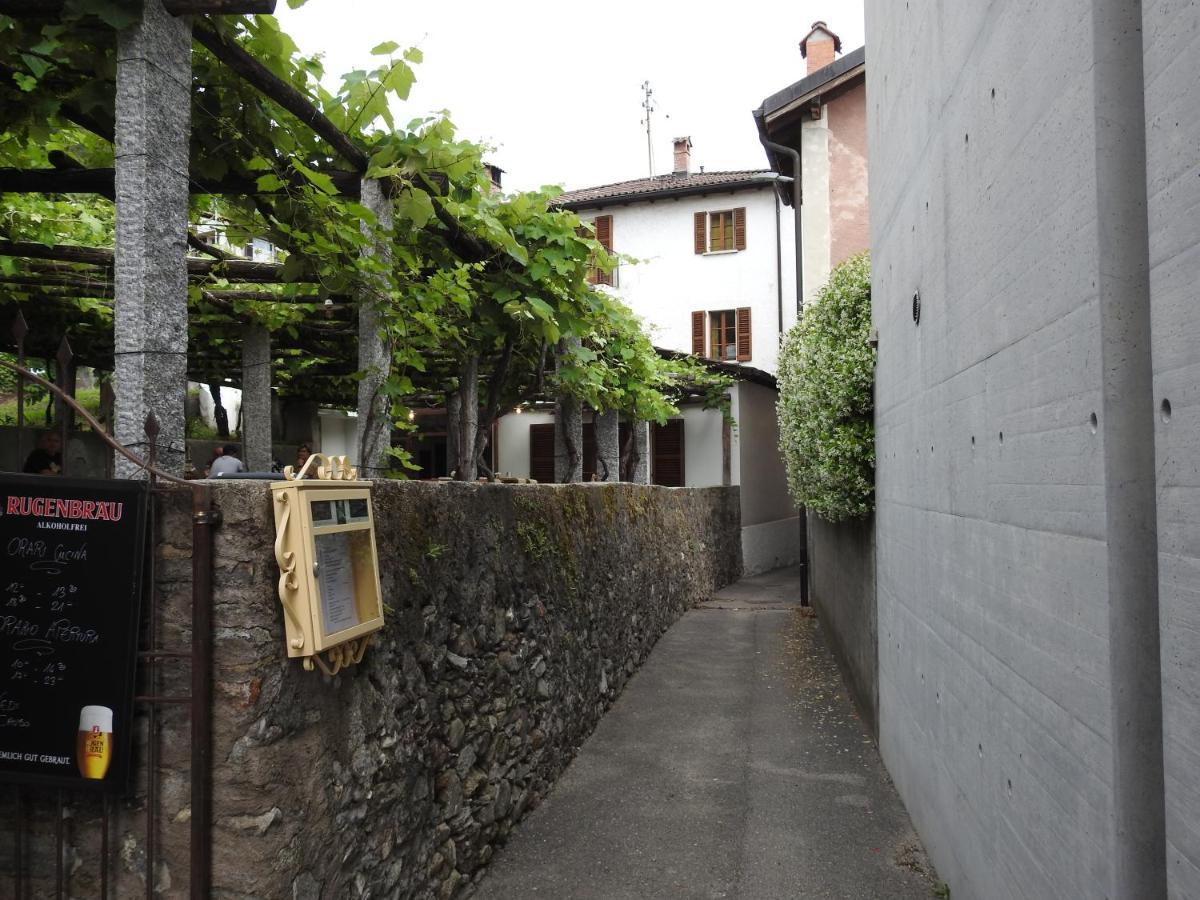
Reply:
x=826, y=404
x=470, y=279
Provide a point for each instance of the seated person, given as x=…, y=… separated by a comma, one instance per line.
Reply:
x=227, y=463
x=46, y=457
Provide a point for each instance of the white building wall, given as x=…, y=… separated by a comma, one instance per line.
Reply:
x=339, y=434
x=702, y=448
x=671, y=280
x=816, y=219
x=512, y=441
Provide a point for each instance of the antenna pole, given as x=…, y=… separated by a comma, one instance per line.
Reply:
x=648, y=106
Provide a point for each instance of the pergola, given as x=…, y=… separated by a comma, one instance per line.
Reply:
x=153, y=346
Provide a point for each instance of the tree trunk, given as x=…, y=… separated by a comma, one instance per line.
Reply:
x=219, y=413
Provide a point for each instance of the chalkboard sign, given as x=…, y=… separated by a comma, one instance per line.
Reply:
x=70, y=586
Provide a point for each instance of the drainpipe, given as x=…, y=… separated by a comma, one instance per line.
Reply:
x=797, y=204
x=778, y=267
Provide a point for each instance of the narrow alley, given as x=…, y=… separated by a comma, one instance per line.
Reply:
x=733, y=766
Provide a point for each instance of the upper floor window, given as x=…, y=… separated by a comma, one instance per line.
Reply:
x=722, y=329
x=727, y=337
x=719, y=231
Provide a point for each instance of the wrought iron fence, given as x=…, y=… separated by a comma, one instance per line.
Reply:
x=29, y=804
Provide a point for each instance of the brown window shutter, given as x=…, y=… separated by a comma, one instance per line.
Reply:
x=743, y=334
x=699, y=232
x=739, y=229
x=604, y=228
x=698, y=333
x=667, y=453
x=541, y=453
x=604, y=234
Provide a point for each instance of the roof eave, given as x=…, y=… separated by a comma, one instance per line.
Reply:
x=766, y=180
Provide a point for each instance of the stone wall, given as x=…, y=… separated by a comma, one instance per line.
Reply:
x=515, y=616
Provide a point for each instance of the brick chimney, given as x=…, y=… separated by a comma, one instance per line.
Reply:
x=683, y=155
x=819, y=47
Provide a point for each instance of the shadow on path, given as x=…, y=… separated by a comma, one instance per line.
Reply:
x=733, y=766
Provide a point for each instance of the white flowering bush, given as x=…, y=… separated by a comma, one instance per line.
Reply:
x=826, y=403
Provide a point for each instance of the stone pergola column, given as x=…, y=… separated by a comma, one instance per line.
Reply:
x=374, y=359
x=153, y=117
x=641, y=448
x=607, y=427
x=568, y=430
x=256, y=399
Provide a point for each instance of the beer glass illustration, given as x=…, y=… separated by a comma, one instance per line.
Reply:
x=93, y=745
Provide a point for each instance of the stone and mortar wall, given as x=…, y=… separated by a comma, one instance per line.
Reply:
x=516, y=614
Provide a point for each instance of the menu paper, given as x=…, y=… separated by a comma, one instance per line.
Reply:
x=335, y=580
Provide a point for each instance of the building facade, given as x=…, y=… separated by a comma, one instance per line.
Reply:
x=714, y=278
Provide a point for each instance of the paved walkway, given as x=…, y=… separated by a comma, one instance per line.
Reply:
x=733, y=766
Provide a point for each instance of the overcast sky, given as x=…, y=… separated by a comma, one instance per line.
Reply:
x=555, y=88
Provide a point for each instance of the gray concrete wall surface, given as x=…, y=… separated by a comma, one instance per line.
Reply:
x=841, y=565
x=1171, y=34
x=1017, y=621
x=516, y=614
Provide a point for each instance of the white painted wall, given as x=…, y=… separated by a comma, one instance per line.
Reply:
x=702, y=447
x=816, y=219
x=671, y=280
x=512, y=441
x=339, y=434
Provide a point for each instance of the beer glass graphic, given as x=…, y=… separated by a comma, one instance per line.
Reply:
x=93, y=745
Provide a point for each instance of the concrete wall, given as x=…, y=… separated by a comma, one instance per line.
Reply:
x=841, y=560
x=1017, y=615
x=1171, y=32
x=515, y=616
x=671, y=280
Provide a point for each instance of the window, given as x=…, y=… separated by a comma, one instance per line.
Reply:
x=722, y=329
x=719, y=231
x=727, y=336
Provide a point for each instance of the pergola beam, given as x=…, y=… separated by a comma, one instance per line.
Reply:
x=100, y=181
x=52, y=9
x=233, y=269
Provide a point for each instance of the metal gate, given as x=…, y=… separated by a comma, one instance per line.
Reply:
x=66, y=843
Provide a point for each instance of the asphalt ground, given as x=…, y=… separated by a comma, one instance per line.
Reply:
x=733, y=766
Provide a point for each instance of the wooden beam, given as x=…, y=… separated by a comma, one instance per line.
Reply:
x=279, y=91
x=233, y=269
x=219, y=7
x=52, y=9
x=100, y=181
